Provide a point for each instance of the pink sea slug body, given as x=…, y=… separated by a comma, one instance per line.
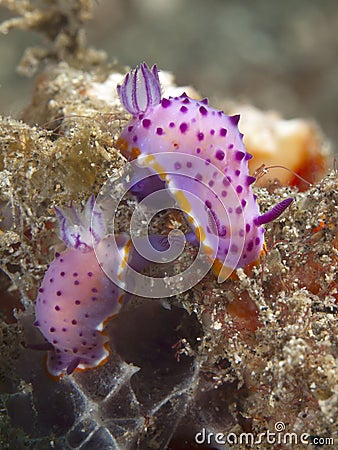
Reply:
x=76, y=298
x=207, y=158
x=84, y=287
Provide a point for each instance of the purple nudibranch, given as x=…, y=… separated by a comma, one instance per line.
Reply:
x=77, y=297
x=207, y=159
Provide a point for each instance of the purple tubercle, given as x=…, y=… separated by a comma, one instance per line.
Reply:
x=234, y=119
x=81, y=230
x=275, y=212
x=140, y=90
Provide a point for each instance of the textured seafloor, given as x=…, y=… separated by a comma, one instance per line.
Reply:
x=230, y=358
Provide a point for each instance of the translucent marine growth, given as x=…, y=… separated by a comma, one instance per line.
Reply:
x=190, y=128
x=76, y=298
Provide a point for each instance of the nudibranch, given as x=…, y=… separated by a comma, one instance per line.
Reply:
x=76, y=297
x=207, y=159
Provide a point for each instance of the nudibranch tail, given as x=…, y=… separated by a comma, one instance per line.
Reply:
x=140, y=90
x=275, y=212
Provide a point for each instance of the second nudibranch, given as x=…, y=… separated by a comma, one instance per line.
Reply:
x=85, y=286
x=76, y=297
x=207, y=159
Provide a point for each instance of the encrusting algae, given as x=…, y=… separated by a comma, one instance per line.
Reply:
x=238, y=357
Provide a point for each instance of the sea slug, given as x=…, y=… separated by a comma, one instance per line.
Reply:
x=76, y=298
x=86, y=286
x=206, y=171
